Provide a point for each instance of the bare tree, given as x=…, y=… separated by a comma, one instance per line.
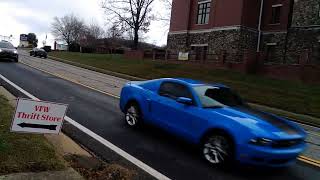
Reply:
x=116, y=31
x=95, y=31
x=91, y=35
x=68, y=28
x=167, y=15
x=136, y=14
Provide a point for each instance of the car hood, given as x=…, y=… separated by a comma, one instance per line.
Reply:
x=7, y=50
x=263, y=123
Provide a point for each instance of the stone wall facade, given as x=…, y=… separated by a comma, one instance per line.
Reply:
x=281, y=46
x=306, y=13
x=232, y=42
x=177, y=42
x=273, y=45
x=304, y=39
x=304, y=33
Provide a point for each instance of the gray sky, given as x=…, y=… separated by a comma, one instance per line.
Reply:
x=24, y=16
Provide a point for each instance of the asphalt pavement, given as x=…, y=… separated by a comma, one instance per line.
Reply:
x=100, y=113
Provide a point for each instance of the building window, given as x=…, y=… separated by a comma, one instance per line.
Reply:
x=276, y=13
x=203, y=12
x=271, y=56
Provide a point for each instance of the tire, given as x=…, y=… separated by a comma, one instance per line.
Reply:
x=218, y=150
x=16, y=60
x=133, y=115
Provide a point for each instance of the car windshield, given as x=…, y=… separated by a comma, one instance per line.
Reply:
x=217, y=97
x=6, y=45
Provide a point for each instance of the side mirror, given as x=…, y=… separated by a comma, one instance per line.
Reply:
x=184, y=100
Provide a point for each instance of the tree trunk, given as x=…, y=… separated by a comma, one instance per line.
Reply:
x=68, y=43
x=136, y=39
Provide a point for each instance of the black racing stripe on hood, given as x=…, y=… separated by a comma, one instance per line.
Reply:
x=269, y=118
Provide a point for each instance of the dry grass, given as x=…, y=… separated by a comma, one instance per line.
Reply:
x=24, y=152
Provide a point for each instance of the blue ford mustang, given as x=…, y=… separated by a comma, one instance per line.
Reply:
x=215, y=118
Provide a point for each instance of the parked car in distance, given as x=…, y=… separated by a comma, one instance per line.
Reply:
x=38, y=52
x=47, y=48
x=8, y=51
x=216, y=119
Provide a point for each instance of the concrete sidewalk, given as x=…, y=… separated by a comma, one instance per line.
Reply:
x=112, y=86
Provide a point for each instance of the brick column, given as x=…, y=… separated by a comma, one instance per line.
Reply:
x=250, y=60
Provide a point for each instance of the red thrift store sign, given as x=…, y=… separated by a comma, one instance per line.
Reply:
x=38, y=117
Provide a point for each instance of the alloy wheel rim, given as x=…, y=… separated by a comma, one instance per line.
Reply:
x=215, y=150
x=132, y=116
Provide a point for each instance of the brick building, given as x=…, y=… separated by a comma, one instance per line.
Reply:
x=279, y=29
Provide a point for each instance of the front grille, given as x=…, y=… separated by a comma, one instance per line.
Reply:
x=279, y=161
x=286, y=143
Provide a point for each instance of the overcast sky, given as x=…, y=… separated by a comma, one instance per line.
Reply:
x=24, y=16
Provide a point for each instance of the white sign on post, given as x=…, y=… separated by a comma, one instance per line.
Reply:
x=38, y=117
x=183, y=56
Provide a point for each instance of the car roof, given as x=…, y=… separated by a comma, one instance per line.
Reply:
x=193, y=82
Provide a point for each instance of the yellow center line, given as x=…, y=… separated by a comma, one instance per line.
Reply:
x=309, y=161
x=314, y=133
x=301, y=158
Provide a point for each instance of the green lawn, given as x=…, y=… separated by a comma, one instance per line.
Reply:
x=24, y=152
x=293, y=96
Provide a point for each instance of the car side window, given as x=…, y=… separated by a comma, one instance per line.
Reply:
x=174, y=90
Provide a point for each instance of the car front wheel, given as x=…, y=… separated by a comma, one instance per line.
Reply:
x=217, y=149
x=133, y=115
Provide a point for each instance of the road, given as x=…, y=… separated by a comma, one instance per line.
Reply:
x=100, y=113
x=112, y=86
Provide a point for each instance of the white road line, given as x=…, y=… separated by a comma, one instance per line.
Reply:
x=103, y=141
x=19, y=88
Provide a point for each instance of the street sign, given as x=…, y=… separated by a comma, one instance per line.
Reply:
x=38, y=117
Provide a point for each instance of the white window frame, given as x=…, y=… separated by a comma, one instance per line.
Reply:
x=272, y=44
x=198, y=45
x=204, y=2
x=277, y=5
x=200, y=2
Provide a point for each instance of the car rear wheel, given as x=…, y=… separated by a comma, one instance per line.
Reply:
x=217, y=149
x=133, y=115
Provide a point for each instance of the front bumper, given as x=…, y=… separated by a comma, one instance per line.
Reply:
x=268, y=156
x=8, y=55
x=42, y=54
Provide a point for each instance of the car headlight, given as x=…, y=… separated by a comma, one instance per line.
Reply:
x=15, y=51
x=260, y=141
x=0, y=50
